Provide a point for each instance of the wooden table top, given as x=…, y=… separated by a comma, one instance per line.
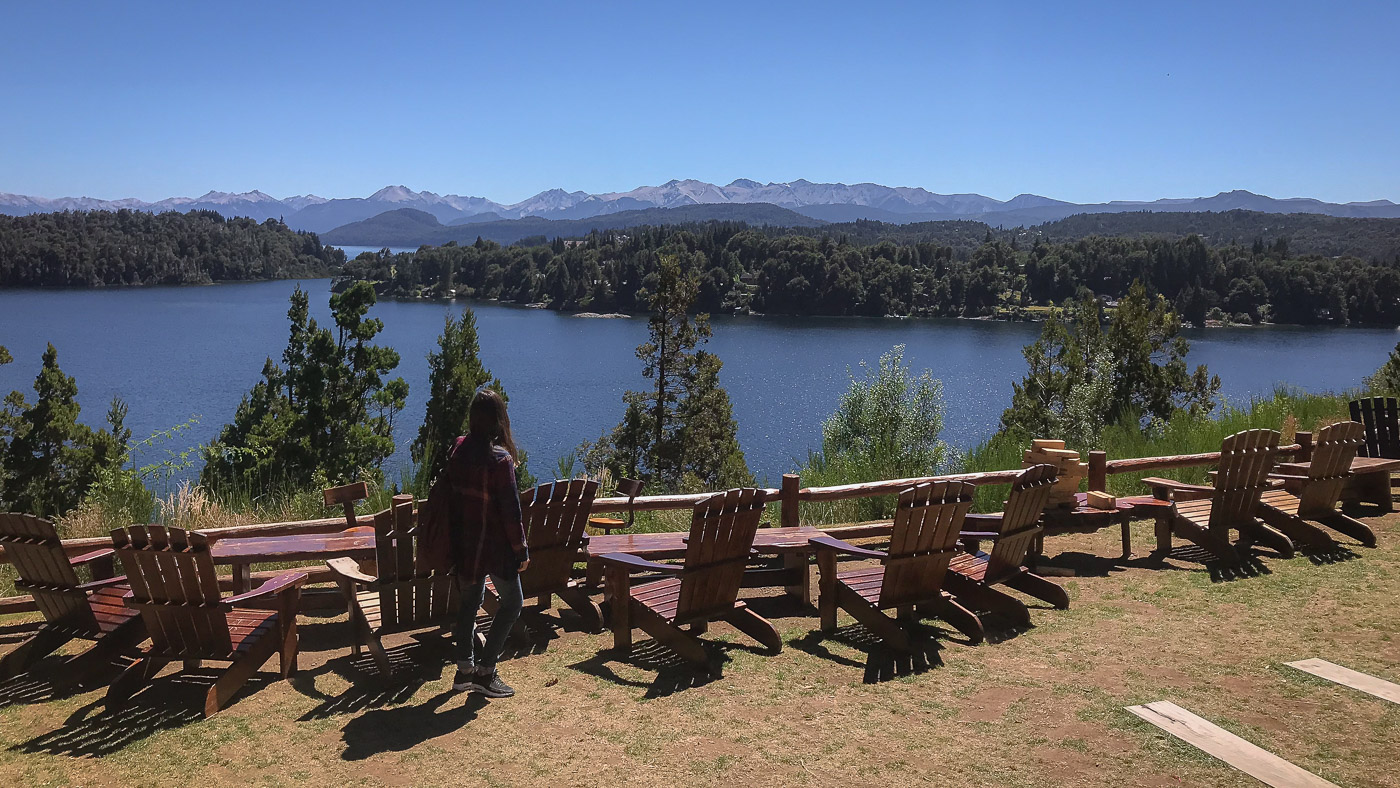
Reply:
x=672, y=544
x=354, y=542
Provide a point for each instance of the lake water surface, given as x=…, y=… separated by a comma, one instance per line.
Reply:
x=177, y=352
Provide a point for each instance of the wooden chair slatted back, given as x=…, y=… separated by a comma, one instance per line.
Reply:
x=722, y=529
x=1334, y=448
x=927, y=521
x=33, y=546
x=1380, y=416
x=1020, y=522
x=555, y=514
x=1246, y=458
x=174, y=584
x=409, y=597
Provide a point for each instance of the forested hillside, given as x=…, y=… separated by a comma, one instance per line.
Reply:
x=105, y=248
x=763, y=271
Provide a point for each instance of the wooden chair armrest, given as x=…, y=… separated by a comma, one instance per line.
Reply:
x=350, y=570
x=992, y=519
x=634, y=564
x=103, y=583
x=979, y=534
x=281, y=584
x=79, y=560
x=1289, y=477
x=1173, y=484
x=836, y=545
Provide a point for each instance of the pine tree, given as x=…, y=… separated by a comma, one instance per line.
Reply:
x=50, y=460
x=455, y=372
x=328, y=410
x=681, y=433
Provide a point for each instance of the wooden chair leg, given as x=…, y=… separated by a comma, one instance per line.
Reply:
x=1300, y=532
x=1034, y=585
x=879, y=624
x=962, y=619
x=381, y=659
x=586, y=608
x=242, y=669
x=619, y=589
x=1217, y=546
x=43, y=643
x=136, y=676
x=287, y=653
x=1351, y=527
x=1260, y=533
x=755, y=626
x=826, y=589
x=667, y=634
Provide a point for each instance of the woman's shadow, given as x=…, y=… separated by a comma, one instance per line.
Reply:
x=404, y=727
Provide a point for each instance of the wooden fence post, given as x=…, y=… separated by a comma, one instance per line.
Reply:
x=1305, y=443
x=1098, y=471
x=787, y=497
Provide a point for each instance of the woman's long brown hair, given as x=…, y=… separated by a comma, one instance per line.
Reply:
x=487, y=418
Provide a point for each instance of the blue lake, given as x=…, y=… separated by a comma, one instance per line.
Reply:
x=177, y=352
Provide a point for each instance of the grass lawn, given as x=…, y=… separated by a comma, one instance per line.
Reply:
x=1043, y=707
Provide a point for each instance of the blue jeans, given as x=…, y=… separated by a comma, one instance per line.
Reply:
x=511, y=600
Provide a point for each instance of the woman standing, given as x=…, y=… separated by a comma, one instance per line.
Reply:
x=487, y=539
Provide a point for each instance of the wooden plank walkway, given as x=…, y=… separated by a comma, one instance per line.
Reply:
x=1349, y=678
x=1210, y=738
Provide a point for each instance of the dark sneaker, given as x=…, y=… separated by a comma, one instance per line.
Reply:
x=465, y=681
x=491, y=686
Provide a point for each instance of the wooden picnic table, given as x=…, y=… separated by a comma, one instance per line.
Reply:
x=1369, y=482
x=242, y=552
x=792, y=544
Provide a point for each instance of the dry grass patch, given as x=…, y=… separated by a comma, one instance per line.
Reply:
x=1042, y=707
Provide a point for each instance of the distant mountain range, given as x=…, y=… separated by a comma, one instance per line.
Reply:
x=828, y=202
x=408, y=227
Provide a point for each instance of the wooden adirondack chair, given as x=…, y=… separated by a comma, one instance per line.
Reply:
x=1206, y=514
x=402, y=597
x=1314, y=497
x=1380, y=419
x=1012, y=532
x=927, y=522
x=705, y=587
x=71, y=608
x=1380, y=416
x=555, y=516
x=175, y=589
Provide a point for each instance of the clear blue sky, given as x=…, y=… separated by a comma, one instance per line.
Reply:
x=1079, y=101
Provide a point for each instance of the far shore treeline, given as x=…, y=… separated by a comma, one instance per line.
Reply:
x=1237, y=266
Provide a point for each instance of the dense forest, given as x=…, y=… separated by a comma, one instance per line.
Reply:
x=107, y=248
x=760, y=270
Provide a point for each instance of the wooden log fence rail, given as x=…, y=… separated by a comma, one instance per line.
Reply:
x=787, y=498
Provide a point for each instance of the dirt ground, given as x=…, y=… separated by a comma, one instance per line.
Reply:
x=1038, y=707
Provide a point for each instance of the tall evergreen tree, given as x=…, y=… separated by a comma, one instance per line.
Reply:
x=50, y=460
x=455, y=372
x=329, y=409
x=680, y=433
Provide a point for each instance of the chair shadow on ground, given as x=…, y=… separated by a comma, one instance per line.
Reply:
x=168, y=703
x=881, y=663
